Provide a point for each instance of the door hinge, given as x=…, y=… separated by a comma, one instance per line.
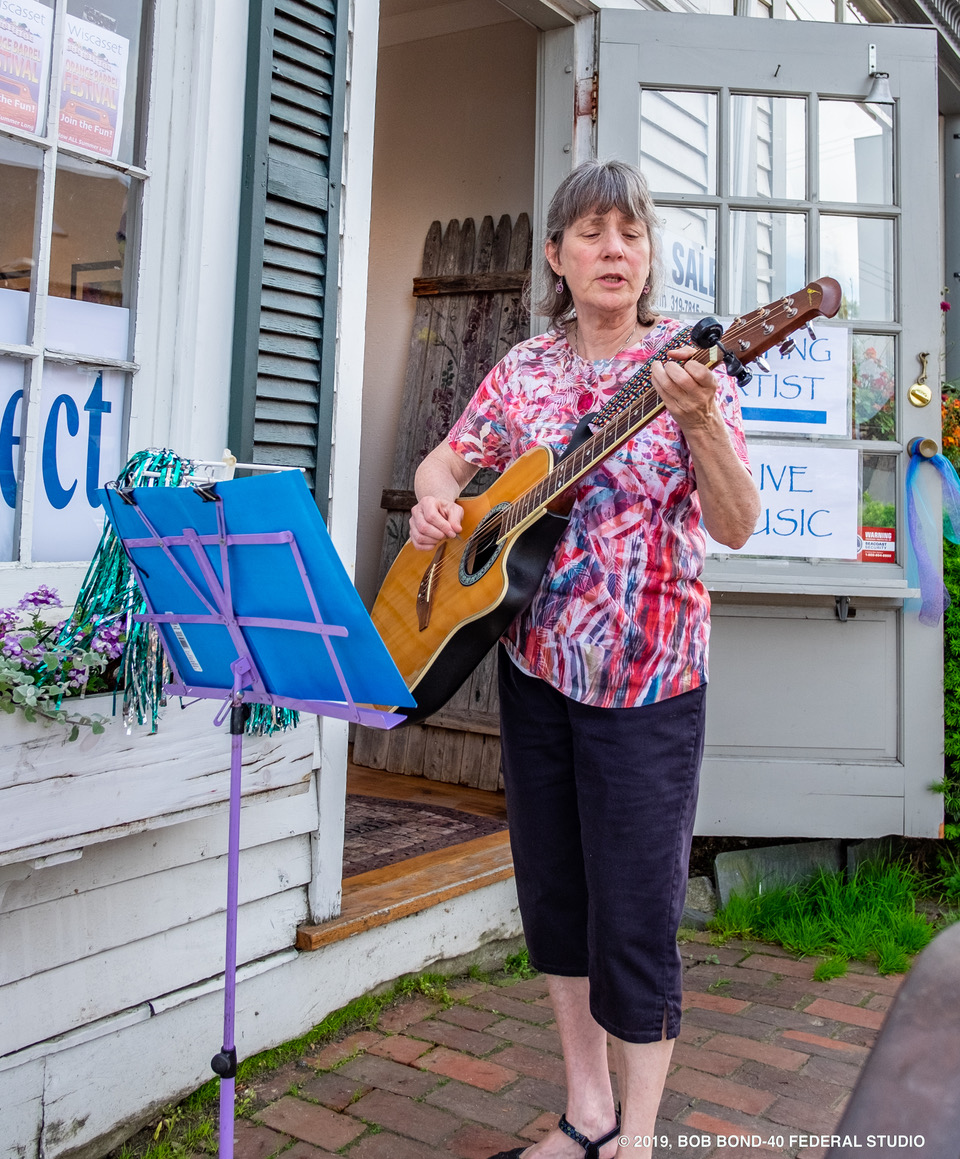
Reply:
x=587, y=88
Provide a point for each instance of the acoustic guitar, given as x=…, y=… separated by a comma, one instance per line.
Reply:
x=440, y=611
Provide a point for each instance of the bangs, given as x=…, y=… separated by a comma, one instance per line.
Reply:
x=595, y=190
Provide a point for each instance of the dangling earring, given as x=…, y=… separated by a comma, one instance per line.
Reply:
x=560, y=284
x=646, y=289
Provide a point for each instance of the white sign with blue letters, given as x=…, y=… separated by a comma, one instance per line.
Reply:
x=804, y=392
x=81, y=427
x=808, y=502
x=690, y=282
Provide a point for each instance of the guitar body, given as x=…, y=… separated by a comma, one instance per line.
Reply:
x=469, y=603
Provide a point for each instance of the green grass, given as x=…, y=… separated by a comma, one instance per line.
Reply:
x=518, y=965
x=870, y=916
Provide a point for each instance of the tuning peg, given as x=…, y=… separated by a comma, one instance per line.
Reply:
x=787, y=347
x=762, y=364
x=736, y=368
x=810, y=330
x=706, y=333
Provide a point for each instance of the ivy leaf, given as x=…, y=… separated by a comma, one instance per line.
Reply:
x=74, y=732
x=97, y=728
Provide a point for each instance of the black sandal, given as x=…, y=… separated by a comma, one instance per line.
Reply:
x=591, y=1147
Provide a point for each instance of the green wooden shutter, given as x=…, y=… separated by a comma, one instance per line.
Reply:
x=285, y=325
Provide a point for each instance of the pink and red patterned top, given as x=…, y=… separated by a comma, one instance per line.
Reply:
x=621, y=617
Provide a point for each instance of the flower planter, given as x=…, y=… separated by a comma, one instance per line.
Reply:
x=58, y=795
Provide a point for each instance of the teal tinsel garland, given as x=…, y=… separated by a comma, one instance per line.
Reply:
x=109, y=596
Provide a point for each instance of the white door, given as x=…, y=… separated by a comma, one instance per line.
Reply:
x=770, y=168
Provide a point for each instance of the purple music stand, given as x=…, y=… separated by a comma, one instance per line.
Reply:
x=259, y=617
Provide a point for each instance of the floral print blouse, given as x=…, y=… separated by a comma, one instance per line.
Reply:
x=620, y=618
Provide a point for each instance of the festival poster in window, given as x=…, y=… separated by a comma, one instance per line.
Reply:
x=26, y=33
x=92, y=91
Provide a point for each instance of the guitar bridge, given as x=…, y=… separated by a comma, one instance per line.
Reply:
x=426, y=590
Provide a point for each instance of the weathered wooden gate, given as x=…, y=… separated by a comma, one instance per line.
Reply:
x=470, y=311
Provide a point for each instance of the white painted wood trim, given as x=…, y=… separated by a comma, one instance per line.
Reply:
x=355, y=208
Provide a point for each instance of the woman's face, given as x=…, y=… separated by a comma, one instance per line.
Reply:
x=605, y=259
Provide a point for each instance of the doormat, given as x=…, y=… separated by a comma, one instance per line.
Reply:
x=380, y=831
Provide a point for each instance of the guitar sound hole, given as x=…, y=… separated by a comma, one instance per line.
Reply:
x=482, y=547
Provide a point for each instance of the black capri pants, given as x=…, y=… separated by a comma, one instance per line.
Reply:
x=601, y=805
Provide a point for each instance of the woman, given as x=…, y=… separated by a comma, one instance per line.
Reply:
x=602, y=678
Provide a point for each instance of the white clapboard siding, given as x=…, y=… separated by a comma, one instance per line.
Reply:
x=72, y=995
x=21, y=1108
x=55, y=794
x=101, y=919
x=126, y=858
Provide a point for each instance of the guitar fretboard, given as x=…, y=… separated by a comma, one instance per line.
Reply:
x=631, y=408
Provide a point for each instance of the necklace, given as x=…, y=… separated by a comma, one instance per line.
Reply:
x=601, y=365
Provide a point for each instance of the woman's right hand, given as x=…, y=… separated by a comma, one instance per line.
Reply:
x=432, y=520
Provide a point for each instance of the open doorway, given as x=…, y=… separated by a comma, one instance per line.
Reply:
x=455, y=138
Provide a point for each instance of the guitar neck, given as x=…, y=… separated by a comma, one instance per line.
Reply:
x=618, y=422
x=637, y=403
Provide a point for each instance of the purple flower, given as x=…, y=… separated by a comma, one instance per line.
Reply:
x=43, y=596
x=9, y=617
x=107, y=642
x=944, y=306
x=77, y=677
x=12, y=647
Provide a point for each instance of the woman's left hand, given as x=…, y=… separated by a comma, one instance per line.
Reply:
x=729, y=500
x=688, y=388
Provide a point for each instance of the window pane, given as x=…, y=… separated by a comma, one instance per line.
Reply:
x=689, y=238
x=767, y=257
x=98, y=95
x=874, y=386
x=768, y=140
x=19, y=189
x=856, y=153
x=11, y=441
x=89, y=283
x=858, y=252
x=678, y=141
x=27, y=31
x=878, y=509
x=81, y=427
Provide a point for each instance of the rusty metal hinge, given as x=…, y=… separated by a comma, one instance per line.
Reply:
x=586, y=104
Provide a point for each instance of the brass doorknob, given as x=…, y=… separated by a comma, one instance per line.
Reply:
x=926, y=448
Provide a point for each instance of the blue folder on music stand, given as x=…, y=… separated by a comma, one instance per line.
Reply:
x=253, y=606
x=246, y=569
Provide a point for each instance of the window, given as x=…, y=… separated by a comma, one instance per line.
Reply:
x=772, y=191
x=72, y=84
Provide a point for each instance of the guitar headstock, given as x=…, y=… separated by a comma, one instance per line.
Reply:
x=752, y=334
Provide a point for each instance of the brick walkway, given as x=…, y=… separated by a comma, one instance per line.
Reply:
x=765, y=1052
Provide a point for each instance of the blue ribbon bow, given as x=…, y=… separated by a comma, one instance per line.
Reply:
x=934, y=597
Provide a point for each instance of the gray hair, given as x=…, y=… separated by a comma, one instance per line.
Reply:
x=597, y=187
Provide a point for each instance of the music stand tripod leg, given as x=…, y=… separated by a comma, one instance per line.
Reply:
x=225, y=1063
